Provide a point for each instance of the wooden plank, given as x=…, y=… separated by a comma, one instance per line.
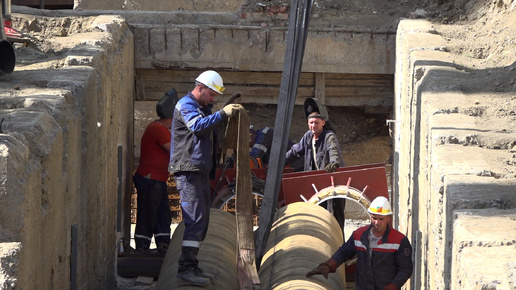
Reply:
x=333, y=96
x=358, y=91
x=320, y=87
x=250, y=79
x=264, y=88
x=229, y=77
x=140, y=87
x=352, y=101
x=358, y=76
x=359, y=83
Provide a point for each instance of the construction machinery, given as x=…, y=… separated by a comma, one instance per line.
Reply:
x=7, y=56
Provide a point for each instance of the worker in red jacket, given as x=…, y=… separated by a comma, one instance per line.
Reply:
x=153, y=217
x=384, y=255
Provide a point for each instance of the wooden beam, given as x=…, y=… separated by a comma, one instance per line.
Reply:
x=320, y=87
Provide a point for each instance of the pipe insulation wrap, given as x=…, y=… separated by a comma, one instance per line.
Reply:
x=217, y=254
x=302, y=236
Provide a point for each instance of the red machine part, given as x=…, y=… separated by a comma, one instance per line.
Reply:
x=13, y=35
x=224, y=177
x=371, y=179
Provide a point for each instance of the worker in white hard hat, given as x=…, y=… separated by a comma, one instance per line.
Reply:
x=192, y=156
x=384, y=255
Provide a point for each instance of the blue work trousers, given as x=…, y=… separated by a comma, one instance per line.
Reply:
x=194, y=189
x=153, y=216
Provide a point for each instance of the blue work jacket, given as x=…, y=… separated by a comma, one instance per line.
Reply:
x=192, y=136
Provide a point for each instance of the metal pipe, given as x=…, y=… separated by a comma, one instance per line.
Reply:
x=217, y=254
x=302, y=236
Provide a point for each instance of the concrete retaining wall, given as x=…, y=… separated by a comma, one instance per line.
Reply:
x=160, y=5
x=255, y=48
x=65, y=145
x=451, y=179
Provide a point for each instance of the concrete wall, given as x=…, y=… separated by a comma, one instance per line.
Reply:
x=159, y=5
x=453, y=181
x=238, y=47
x=60, y=162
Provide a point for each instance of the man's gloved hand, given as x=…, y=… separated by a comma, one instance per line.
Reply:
x=390, y=286
x=331, y=167
x=231, y=109
x=322, y=269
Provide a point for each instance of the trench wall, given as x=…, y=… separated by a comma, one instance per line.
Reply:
x=159, y=5
x=341, y=66
x=451, y=185
x=65, y=144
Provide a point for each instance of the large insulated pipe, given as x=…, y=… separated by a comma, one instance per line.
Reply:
x=217, y=254
x=302, y=236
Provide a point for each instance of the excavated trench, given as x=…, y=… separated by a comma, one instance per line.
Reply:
x=359, y=99
x=66, y=94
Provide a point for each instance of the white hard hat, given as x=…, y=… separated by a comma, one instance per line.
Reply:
x=380, y=206
x=212, y=80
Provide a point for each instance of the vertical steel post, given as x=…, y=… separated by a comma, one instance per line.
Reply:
x=2, y=31
x=74, y=256
x=119, y=191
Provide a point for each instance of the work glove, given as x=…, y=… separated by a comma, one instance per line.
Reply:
x=331, y=167
x=231, y=109
x=390, y=286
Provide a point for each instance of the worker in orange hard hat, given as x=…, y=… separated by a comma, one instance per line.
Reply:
x=384, y=255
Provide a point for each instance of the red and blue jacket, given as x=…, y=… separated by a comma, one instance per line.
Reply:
x=390, y=261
